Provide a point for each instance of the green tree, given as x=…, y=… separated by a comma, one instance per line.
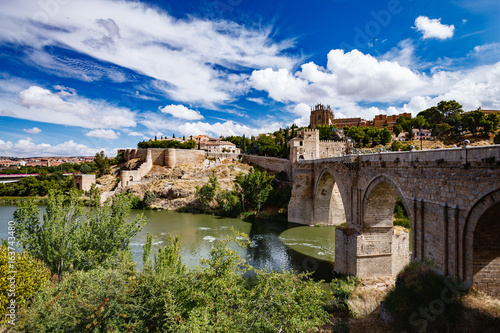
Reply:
x=254, y=188
x=473, y=121
x=206, y=194
x=449, y=108
x=70, y=238
x=385, y=136
x=442, y=129
x=102, y=163
x=243, y=146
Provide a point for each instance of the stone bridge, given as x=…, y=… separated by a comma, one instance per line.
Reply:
x=452, y=197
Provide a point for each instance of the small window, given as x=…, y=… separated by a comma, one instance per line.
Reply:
x=301, y=143
x=319, y=117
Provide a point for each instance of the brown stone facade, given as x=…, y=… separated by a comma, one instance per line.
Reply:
x=321, y=115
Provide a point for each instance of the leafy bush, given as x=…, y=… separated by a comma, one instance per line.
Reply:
x=400, y=214
x=168, y=297
x=342, y=289
x=496, y=139
x=149, y=198
x=206, y=194
x=228, y=203
x=396, y=146
x=84, y=301
x=254, y=188
x=69, y=238
x=424, y=300
x=31, y=274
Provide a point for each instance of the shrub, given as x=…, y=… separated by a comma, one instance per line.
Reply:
x=424, y=300
x=342, y=289
x=84, y=301
x=168, y=297
x=69, y=238
x=496, y=139
x=31, y=274
x=149, y=198
x=228, y=203
x=206, y=194
x=396, y=146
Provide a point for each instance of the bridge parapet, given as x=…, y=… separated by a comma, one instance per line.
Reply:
x=489, y=154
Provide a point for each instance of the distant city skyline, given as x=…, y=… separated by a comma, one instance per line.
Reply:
x=78, y=77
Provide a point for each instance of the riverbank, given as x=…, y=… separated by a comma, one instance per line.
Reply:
x=15, y=200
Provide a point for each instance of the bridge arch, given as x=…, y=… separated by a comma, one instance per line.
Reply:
x=329, y=206
x=383, y=249
x=379, y=201
x=481, y=244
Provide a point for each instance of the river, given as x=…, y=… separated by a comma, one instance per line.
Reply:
x=274, y=245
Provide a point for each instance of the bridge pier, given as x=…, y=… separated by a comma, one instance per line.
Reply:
x=375, y=252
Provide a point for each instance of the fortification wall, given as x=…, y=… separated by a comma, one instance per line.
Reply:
x=130, y=154
x=330, y=148
x=157, y=155
x=185, y=156
x=270, y=163
x=223, y=155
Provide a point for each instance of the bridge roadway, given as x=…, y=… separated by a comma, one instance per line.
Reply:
x=452, y=197
x=12, y=178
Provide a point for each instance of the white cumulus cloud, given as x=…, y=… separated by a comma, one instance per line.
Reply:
x=433, y=28
x=34, y=130
x=181, y=112
x=27, y=148
x=103, y=134
x=40, y=104
x=135, y=134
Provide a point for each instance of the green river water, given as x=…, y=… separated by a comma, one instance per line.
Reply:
x=274, y=245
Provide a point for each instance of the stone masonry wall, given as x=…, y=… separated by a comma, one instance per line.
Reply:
x=83, y=182
x=270, y=163
x=185, y=156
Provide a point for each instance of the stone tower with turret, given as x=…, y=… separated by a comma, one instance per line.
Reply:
x=321, y=115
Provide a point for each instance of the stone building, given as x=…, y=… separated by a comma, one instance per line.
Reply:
x=324, y=116
x=381, y=120
x=83, y=182
x=308, y=146
x=349, y=122
x=321, y=116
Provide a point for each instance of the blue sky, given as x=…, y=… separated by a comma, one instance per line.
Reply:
x=77, y=77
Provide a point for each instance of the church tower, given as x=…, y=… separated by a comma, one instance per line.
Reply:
x=321, y=116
